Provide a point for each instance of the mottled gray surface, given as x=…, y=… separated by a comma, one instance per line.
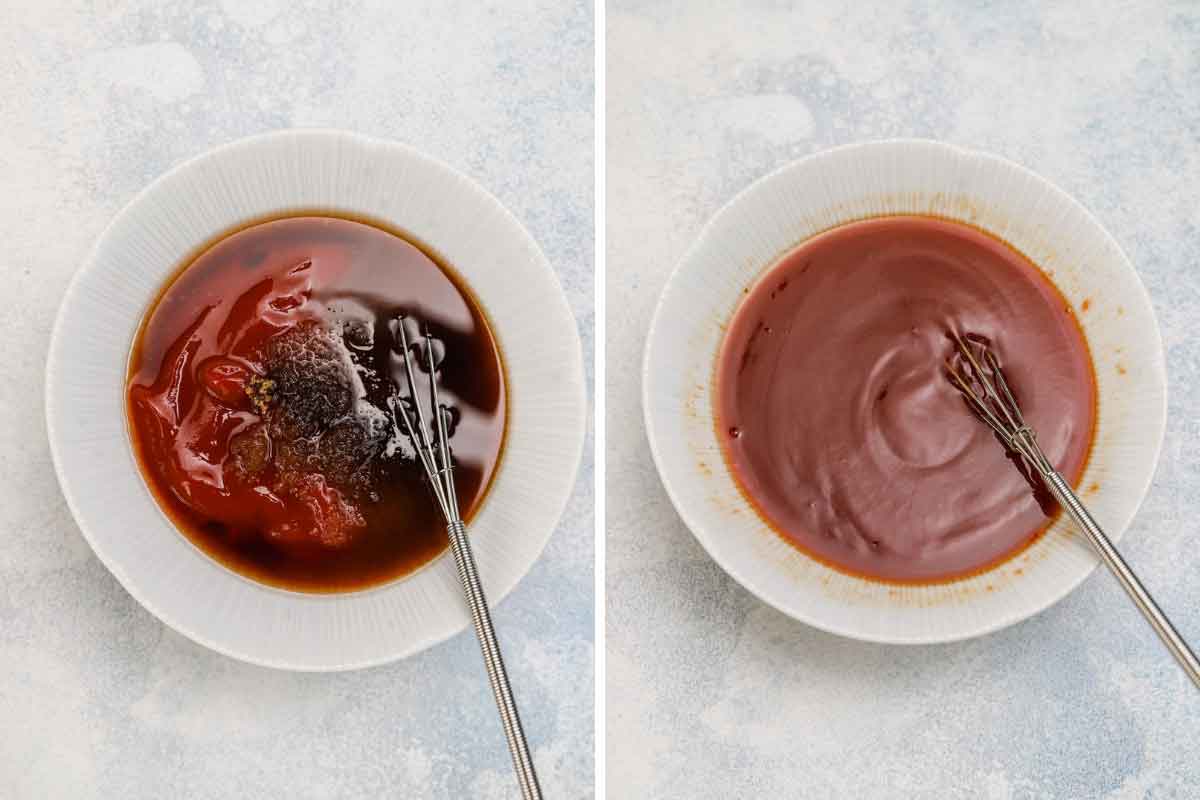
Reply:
x=711, y=694
x=97, y=698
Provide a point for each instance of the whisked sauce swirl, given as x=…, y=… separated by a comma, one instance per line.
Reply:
x=851, y=443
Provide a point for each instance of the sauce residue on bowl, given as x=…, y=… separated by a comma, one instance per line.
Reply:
x=260, y=394
x=840, y=426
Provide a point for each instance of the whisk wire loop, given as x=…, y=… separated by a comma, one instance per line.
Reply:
x=413, y=419
x=987, y=391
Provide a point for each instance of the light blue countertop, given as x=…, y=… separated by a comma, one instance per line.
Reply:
x=97, y=698
x=712, y=694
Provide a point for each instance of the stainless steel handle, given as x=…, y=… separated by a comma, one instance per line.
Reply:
x=1129, y=582
x=497, y=676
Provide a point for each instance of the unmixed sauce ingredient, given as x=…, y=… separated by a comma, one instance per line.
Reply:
x=260, y=399
x=838, y=421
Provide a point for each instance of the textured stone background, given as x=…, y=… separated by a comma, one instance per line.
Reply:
x=97, y=698
x=711, y=694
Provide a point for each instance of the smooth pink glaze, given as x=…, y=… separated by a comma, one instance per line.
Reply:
x=837, y=417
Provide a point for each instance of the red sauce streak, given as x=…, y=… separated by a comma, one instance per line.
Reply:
x=259, y=400
x=840, y=426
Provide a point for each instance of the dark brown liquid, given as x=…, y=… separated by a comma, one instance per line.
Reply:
x=840, y=425
x=317, y=488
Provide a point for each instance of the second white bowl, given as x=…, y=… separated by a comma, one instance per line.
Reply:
x=874, y=179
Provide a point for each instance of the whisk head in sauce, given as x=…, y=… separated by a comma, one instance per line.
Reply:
x=975, y=372
x=431, y=439
x=429, y=436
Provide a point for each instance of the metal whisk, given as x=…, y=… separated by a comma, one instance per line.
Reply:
x=983, y=385
x=430, y=438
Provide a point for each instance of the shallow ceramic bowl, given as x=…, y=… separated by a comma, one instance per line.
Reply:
x=901, y=177
x=270, y=175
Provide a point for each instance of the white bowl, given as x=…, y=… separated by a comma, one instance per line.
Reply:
x=901, y=177
x=267, y=175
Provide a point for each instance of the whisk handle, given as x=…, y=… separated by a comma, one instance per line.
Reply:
x=1125, y=576
x=460, y=546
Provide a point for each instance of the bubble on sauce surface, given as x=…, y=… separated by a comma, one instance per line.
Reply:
x=357, y=334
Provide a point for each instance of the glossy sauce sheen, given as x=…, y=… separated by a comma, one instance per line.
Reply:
x=317, y=490
x=837, y=417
